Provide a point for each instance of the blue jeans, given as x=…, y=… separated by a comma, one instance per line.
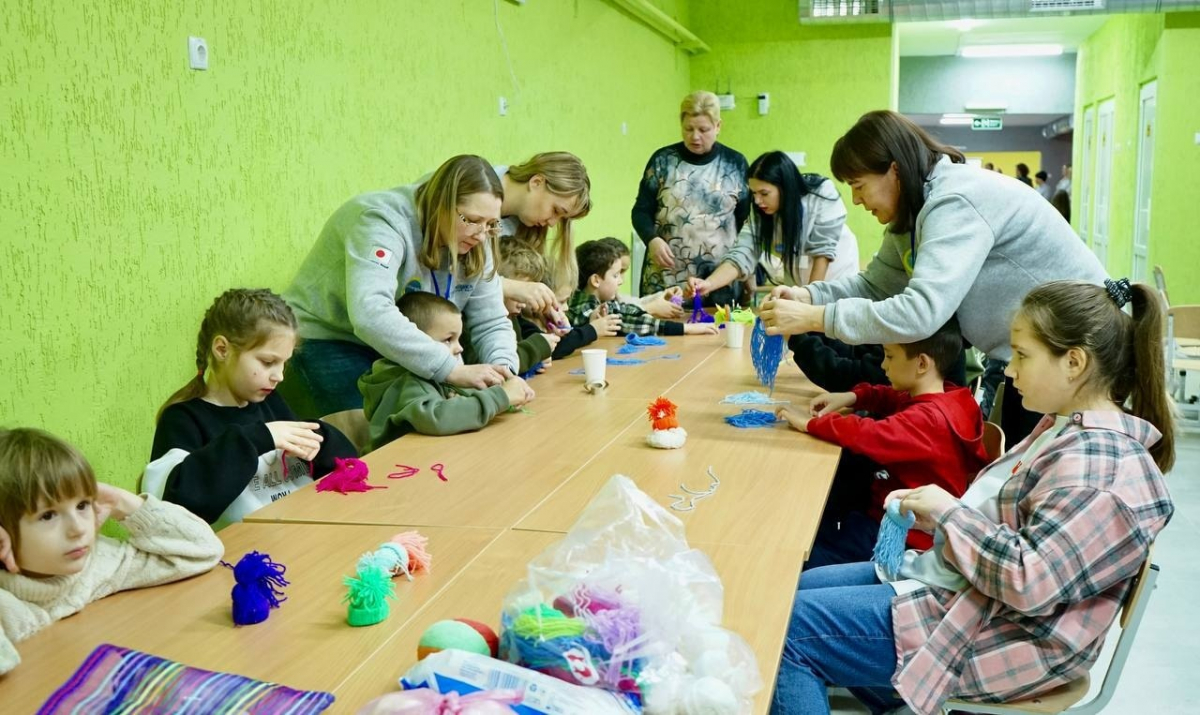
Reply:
x=322, y=377
x=840, y=634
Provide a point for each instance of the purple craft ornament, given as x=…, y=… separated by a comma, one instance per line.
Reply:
x=257, y=591
x=698, y=314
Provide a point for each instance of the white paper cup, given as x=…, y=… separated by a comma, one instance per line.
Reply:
x=735, y=335
x=595, y=361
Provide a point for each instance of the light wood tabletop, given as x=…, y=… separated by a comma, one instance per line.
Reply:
x=759, y=585
x=493, y=477
x=305, y=643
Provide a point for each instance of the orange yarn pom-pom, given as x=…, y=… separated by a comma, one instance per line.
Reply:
x=662, y=414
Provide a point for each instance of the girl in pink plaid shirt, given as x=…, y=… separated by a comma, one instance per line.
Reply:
x=1030, y=567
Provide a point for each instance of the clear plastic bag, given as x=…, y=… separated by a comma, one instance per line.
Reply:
x=622, y=603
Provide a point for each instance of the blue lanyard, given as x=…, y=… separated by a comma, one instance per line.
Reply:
x=449, y=282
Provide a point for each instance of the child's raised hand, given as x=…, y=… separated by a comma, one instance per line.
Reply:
x=606, y=325
x=928, y=503
x=831, y=402
x=797, y=421
x=700, y=329
x=518, y=391
x=297, y=438
x=7, y=557
x=114, y=503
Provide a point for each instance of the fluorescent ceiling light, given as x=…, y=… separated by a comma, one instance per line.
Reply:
x=953, y=115
x=964, y=25
x=950, y=121
x=1010, y=50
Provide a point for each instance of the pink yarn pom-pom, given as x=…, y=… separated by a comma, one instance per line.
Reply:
x=348, y=475
x=419, y=560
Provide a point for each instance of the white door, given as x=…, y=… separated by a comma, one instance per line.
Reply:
x=1141, y=228
x=1081, y=188
x=1103, y=188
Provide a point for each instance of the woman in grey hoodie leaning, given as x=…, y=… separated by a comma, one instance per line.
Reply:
x=959, y=241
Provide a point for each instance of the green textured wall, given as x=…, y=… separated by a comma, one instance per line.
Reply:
x=1114, y=63
x=821, y=79
x=134, y=190
x=1173, y=242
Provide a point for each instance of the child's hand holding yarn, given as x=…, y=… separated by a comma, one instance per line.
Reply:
x=518, y=391
x=798, y=421
x=699, y=328
x=662, y=307
x=299, y=439
x=114, y=503
x=832, y=402
x=7, y=558
x=929, y=503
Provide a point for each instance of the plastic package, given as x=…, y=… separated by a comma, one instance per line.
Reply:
x=622, y=603
x=457, y=671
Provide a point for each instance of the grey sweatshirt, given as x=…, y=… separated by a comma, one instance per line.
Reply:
x=983, y=241
x=366, y=255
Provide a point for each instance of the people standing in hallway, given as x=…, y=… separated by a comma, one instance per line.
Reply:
x=435, y=236
x=1064, y=184
x=692, y=201
x=959, y=241
x=1041, y=182
x=1023, y=174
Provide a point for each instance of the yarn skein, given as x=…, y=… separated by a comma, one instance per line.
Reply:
x=893, y=532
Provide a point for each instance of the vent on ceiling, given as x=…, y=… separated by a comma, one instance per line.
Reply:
x=844, y=11
x=1064, y=5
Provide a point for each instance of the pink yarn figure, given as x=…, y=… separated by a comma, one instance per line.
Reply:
x=348, y=475
x=419, y=560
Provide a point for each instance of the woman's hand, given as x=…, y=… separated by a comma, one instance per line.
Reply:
x=477, y=376
x=782, y=316
x=7, y=556
x=536, y=296
x=929, y=504
x=798, y=421
x=557, y=320
x=114, y=503
x=660, y=253
x=792, y=293
x=831, y=402
x=297, y=438
x=606, y=325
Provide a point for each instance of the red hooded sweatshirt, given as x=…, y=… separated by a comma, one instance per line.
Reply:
x=928, y=439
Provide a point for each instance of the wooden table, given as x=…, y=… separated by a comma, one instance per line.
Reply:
x=493, y=476
x=306, y=643
x=759, y=585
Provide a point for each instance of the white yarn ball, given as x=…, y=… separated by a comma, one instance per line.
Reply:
x=667, y=438
x=707, y=696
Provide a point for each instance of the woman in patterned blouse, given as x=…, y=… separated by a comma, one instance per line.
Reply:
x=692, y=201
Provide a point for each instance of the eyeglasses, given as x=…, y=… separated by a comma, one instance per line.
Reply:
x=491, y=229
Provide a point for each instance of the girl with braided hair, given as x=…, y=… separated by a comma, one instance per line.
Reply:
x=226, y=444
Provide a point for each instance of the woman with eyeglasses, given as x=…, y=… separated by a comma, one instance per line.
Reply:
x=436, y=236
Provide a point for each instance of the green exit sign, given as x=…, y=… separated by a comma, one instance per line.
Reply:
x=987, y=124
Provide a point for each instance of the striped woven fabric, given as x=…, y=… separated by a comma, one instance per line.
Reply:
x=120, y=680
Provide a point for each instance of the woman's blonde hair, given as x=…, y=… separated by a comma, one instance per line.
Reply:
x=565, y=176
x=700, y=103
x=437, y=213
x=246, y=317
x=38, y=469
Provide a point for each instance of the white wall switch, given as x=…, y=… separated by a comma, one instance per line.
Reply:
x=504, y=106
x=799, y=158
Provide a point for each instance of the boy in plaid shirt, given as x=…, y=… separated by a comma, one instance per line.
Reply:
x=601, y=274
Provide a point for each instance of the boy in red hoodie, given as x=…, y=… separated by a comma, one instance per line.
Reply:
x=923, y=430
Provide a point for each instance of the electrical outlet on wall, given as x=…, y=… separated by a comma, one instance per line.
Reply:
x=197, y=53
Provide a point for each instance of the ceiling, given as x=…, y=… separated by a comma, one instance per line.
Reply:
x=1010, y=120
x=943, y=38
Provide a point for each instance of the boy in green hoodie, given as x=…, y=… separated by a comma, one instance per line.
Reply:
x=397, y=401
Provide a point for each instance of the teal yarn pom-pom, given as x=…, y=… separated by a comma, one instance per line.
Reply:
x=893, y=533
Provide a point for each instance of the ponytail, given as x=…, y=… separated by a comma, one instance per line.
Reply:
x=1148, y=397
x=246, y=318
x=1126, y=354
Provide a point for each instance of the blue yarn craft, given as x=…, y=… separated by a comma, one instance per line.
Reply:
x=752, y=418
x=257, y=591
x=893, y=533
x=766, y=352
x=751, y=398
x=532, y=372
x=644, y=340
x=698, y=314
